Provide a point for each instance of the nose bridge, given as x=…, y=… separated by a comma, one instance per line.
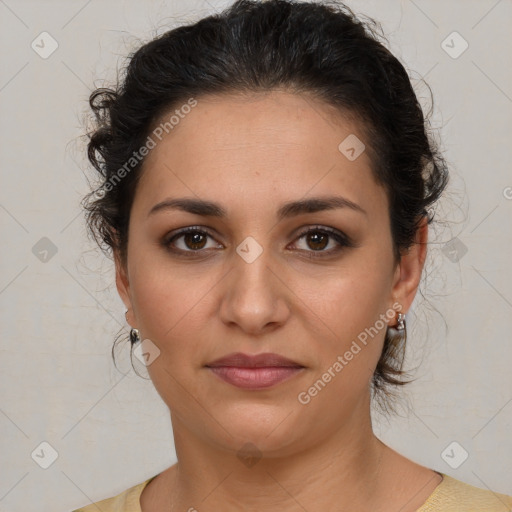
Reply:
x=252, y=268
x=253, y=296
x=252, y=273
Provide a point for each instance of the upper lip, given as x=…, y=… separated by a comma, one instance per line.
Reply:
x=264, y=360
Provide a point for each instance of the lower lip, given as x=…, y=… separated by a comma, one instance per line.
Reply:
x=255, y=378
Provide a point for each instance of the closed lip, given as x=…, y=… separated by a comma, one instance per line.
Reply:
x=265, y=360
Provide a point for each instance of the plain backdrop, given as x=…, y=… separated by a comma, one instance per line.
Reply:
x=107, y=428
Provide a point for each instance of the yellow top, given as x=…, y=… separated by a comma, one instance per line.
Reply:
x=451, y=495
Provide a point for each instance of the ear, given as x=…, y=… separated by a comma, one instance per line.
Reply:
x=408, y=272
x=123, y=287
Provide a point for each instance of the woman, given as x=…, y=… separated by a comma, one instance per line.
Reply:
x=267, y=185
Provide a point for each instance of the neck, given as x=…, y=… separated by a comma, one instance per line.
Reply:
x=340, y=472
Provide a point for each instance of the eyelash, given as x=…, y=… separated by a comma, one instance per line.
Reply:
x=342, y=239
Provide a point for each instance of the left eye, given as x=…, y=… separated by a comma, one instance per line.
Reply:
x=318, y=239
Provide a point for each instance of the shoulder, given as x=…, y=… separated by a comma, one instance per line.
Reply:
x=452, y=495
x=127, y=501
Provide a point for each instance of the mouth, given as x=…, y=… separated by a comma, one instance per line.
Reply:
x=254, y=372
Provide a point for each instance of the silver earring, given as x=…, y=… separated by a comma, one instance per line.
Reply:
x=401, y=322
x=134, y=335
x=400, y=328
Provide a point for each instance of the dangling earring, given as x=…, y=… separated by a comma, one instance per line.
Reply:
x=400, y=322
x=400, y=328
x=134, y=333
x=134, y=336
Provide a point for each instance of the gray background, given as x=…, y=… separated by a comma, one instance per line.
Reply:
x=60, y=312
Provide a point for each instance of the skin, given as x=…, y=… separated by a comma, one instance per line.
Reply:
x=251, y=154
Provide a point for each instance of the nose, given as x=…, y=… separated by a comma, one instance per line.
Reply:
x=254, y=296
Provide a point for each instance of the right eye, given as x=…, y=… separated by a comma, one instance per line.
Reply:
x=192, y=239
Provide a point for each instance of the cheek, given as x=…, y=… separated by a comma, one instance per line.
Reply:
x=170, y=313
x=346, y=302
x=347, y=318
x=167, y=298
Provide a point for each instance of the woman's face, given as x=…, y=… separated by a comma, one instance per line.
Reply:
x=251, y=280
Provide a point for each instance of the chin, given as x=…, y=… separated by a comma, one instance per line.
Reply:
x=270, y=428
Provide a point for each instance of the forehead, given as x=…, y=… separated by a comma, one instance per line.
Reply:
x=257, y=144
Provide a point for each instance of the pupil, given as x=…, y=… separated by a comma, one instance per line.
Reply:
x=316, y=237
x=194, y=239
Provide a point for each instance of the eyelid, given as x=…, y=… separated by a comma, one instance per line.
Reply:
x=175, y=234
x=326, y=229
x=342, y=240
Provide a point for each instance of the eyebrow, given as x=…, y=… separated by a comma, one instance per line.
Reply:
x=287, y=210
